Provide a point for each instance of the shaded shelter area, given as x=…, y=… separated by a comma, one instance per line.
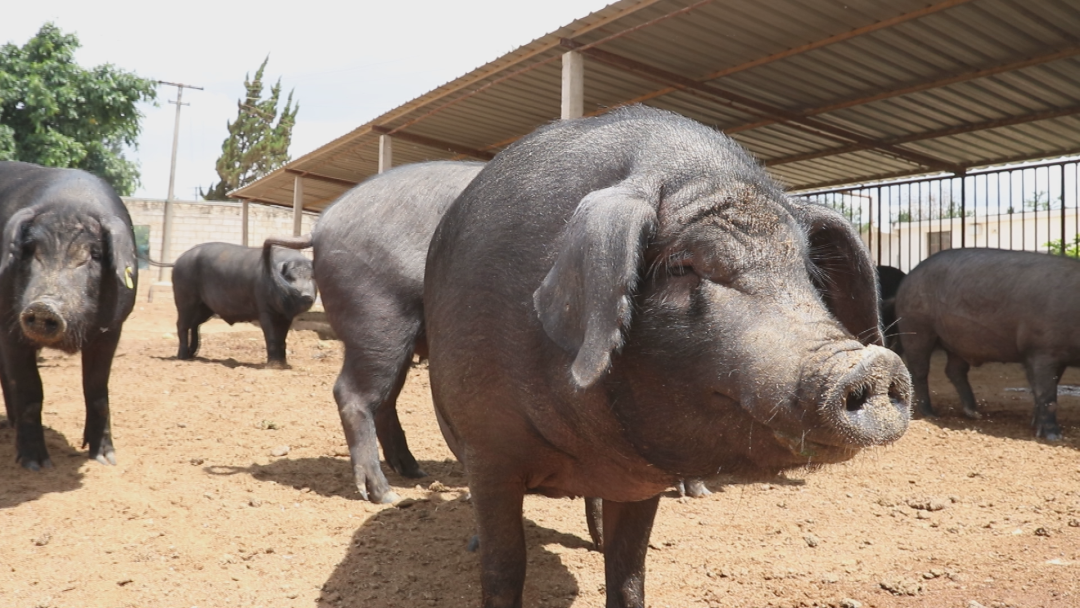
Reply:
x=824, y=92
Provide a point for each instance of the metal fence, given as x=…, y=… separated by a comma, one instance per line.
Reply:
x=1029, y=207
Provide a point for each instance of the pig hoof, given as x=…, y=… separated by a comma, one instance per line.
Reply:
x=926, y=413
x=31, y=464
x=973, y=414
x=413, y=472
x=474, y=544
x=694, y=488
x=108, y=458
x=1049, y=434
x=388, y=499
x=277, y=365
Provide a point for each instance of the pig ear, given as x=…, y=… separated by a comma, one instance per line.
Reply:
x=121, y=240
x=841, y=270
x=121, y=243
x=12, y=237
x=584, y=301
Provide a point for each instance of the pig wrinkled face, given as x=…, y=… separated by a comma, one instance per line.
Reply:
x=729, y=326
x=58, y=260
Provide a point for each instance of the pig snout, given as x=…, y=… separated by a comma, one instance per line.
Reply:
x=870, y=402
x=42, y=322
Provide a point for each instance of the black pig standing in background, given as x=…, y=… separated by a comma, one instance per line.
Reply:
x=268, y=284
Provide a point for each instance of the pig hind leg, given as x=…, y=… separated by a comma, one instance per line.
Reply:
x=957, y=371
x=1043, y=377
x=377, y=358
x=918, y=344
x=189, y=318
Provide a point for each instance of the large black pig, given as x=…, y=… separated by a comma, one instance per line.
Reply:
x=67, y=281
x=617, y=302
x=984, y=305
x=369, y=262
x=265, y=284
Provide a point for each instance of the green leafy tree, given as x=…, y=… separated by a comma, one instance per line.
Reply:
x=55, y=113
x=259, y=138
x=1041, y=202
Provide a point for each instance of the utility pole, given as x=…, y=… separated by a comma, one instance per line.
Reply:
x=166, y=229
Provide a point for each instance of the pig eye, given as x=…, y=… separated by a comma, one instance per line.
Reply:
x=95, y=253
x=680, y=270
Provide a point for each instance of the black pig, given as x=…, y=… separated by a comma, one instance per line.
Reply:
x=984, y=305
x=620, y=301
x=269, y=285
x=67, y=280
x=369, y=261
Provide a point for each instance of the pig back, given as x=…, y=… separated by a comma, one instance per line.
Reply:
x=994, y=304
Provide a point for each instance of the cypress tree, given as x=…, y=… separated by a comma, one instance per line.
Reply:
x=258, y=140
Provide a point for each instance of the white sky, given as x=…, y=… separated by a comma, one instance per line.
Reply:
x=348, y=62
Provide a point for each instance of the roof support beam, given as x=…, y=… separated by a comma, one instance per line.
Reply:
x=817, y=44
x=924, y=86
x=573, y=85
x=982, y=126
x=244, y=216
x=322, y=178
x=432, y=142
x=297, y=204
x=386, y=153
x=752, y=106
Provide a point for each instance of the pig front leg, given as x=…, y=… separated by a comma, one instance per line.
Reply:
x=23, y=397
x=96, y=366
x=627, y=526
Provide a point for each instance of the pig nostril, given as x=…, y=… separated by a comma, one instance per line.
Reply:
x=30, y=319
x=856, y=399
x=895, y=395
x=51, y=325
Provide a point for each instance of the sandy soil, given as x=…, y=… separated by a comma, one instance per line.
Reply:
x=200, y=512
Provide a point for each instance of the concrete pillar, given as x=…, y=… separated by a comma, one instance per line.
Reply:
x=573, y=85
x=166, y=240
x=244, y=222
x=386, y=153
x=297, y=204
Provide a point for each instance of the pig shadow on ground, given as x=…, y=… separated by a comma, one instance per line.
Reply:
x=329, y=476
x=1008, y=424
x=229, y=362
x=17, y=485
x=418, y=556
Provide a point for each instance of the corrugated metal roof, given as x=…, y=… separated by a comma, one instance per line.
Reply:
x=824, y=92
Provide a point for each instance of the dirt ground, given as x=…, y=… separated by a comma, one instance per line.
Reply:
x=233, y=489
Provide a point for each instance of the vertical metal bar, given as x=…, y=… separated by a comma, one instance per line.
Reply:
x=963, y=211
x=1064, y=241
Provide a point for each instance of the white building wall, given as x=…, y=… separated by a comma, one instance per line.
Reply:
x=905, y=244
x=203, y=222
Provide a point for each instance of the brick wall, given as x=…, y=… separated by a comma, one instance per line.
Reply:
x=204, y=222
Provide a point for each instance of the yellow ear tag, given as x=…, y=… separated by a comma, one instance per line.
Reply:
x=127, y=278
